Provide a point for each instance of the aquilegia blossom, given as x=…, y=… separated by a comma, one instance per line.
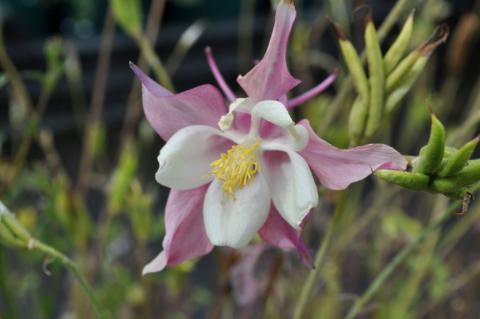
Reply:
x=249, y=170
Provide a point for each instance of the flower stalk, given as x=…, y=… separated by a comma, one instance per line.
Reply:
x=322, y=251
x=13, y=234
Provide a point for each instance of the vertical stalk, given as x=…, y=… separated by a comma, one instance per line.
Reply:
x=77, y=274
x=313, y=275
x=97, y=102
x=133, y=105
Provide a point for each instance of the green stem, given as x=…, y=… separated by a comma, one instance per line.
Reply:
x=313, y=275
x=399, y=259
x=77, y=274
x=6, y=289
x=155, y=62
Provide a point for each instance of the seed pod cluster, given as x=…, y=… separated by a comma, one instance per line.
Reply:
x=439, y=169
x=390, y=76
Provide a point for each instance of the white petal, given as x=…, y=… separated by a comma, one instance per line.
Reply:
x=274, y=112
x=184, y=162
x=243, y=105
x=234, y=221
x=292, y=186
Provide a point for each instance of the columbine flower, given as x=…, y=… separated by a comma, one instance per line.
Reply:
x=246, y=171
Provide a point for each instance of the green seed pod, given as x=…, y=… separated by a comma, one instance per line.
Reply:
x=414, y=181
x=432, y=154
x=458, y=160
x=398, y=48
x=396, y=76
x=458, y=194
x=394, y=79
x=359, y=111
x=449, y=151
x=376, y=78
x=357, y=120
x=406, y=83
x=468, y=175
x=354, y=64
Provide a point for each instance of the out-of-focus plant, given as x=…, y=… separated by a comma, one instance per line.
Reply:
x=406, y=244
x=390, y=77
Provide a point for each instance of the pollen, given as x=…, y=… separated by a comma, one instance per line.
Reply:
x=237, y=167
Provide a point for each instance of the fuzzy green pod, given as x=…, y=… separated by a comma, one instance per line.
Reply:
x=468, y=175
x=458, y=194
x=415, y=181
x=406, y=83
x=398, y=48
x=459, y=159
x=376, y=78
x=431, y=155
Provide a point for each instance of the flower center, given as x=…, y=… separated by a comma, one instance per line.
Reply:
x=237, y=167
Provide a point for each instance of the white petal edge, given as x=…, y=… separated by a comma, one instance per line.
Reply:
x=243, y=105
x=184, y=161
x=234, y=222
x=292, y=186
x=274, y=112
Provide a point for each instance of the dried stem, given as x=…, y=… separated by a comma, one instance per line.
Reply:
x=133, y=104
x=97, y=102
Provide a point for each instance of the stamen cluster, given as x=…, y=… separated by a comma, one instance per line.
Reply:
x=237, y=167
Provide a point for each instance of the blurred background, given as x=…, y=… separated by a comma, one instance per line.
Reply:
x=77, y=161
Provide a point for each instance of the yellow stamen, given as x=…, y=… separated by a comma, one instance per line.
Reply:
x=237, y=167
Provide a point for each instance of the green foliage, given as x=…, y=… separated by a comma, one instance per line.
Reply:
x=113, y=227
x=122, y=179
x=128, y=14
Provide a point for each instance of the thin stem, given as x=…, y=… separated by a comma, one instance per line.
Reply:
x=322, y=86
x=133, y=113
x=77, y=274
x=97, y=102
x=397, y=261
x=218, y=75
x=313, y=275
x=21, y=94
x=456, y=284
x=154, y=61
